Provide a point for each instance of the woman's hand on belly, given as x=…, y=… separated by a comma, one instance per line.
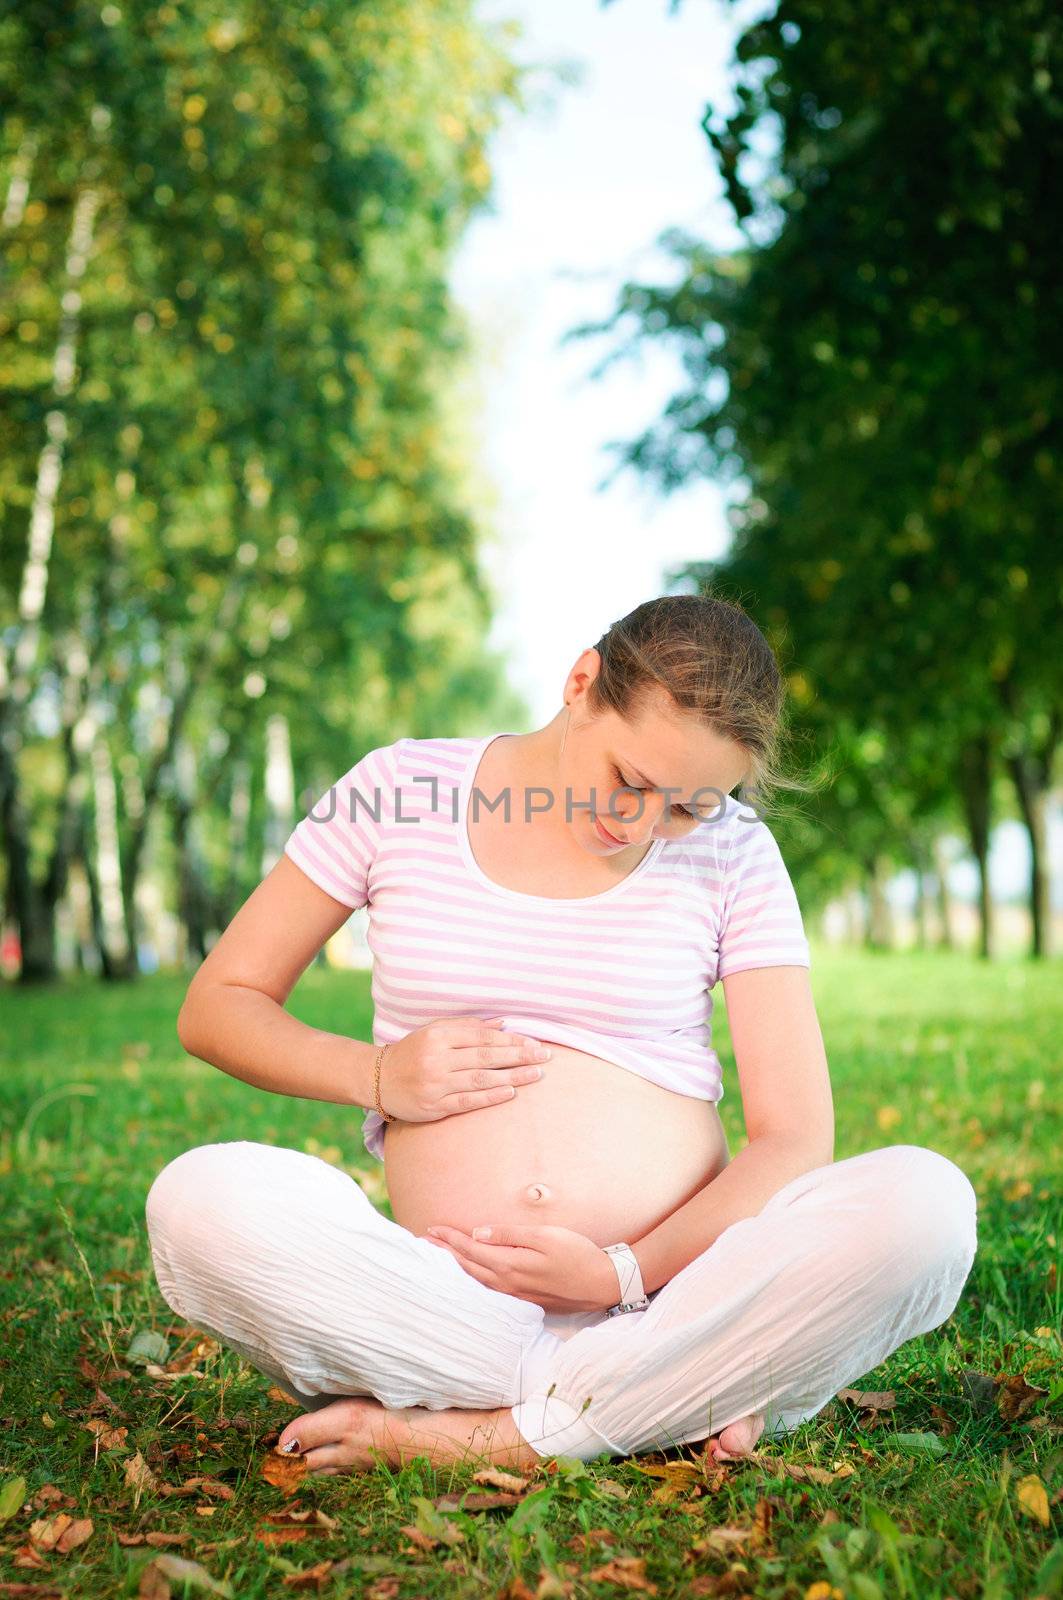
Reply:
x=555, y=1268
x=591, y=1147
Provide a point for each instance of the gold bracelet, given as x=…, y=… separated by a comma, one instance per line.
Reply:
x=376, y=1083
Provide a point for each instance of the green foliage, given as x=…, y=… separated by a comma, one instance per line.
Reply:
x=263, y=498
x=876, y=372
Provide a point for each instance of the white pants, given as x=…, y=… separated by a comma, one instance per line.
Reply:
x=283, y=1258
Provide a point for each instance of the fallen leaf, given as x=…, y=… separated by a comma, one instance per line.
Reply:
x=627, y=1572
x=1015, y=1397
x=311, y=1514
x=468, y=1500
x=800, y=1472
x=721, y=1541
x=60, y=1533
x=678, y=1477
x=183, y=1571
x=551, y=1587
x=12, y=1496
x=1032, y=1496
x=927, y=1443
x=584, y=1543
x=158, y=1540
x=274, y=1392
x=314, y=1577
x=501, y=1480
x=275, y=1536
x=49, y=1495
x=283, y=1472
x=139, y=1476
x=107, y=1438
x=870, y=1399
x=212, y=1488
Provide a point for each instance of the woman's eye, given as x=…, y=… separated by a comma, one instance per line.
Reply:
x=677, y=811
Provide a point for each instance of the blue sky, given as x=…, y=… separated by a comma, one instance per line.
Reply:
x=584, y=184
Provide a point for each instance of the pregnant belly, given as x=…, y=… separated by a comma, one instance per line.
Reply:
x=590, y=1146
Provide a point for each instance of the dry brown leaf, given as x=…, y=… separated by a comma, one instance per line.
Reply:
x=870, y=1399
x=201, y=1351
x=423, y=1541
x=678, y=1477
x=810, y=1474
x=107, y=1438
x=60, y=1533
x=272, y=1536
x=496, y=1479
x=516, y=1589
x=721, y=1541
x=447, y=1533
x=27, y=1556
x=212, y=1488
x=139, y=1476
x=383, y=1589
x=1015, y=1397
x=627, y=1572
x=764, y=1514
x=311, y=1514
x=584, y=1543
x=315, y=1577
x=469, y=1500
x=553, y=1587
x=275, y=1392
x=33, y=1591
x=49, y=1495
x=284, y=1472
x=154, y=1584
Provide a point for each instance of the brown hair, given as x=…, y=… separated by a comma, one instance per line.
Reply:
x=711, y=659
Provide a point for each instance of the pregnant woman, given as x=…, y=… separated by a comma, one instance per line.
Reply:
x=577, y=1266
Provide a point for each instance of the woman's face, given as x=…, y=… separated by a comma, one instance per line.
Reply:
x=639, y=780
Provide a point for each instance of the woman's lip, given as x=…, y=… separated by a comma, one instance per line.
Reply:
x=606, y=835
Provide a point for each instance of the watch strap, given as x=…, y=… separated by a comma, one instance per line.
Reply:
x=633, y=1296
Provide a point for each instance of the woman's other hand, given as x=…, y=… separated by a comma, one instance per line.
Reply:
x=456, y=1064
x=555, y=1268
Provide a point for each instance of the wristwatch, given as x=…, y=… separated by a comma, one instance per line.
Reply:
x=633, y=1296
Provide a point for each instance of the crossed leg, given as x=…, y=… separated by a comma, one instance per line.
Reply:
x=283, y=1257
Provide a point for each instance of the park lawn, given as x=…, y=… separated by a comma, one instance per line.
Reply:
x=954, y=1491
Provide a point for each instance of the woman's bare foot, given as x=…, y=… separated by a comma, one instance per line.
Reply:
x=354, y=1434
x=737, y=1439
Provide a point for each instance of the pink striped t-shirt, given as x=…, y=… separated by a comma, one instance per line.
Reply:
x=625, y=974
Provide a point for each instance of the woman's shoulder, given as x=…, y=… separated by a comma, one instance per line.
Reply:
x=439, y=756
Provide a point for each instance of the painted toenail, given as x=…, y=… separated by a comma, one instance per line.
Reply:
x=291, y=1448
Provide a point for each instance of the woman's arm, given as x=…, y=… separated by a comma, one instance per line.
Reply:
x=233, y=1013
x=788, y=1108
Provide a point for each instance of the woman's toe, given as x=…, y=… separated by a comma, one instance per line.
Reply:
x=312, y=1429
x=739, y=1438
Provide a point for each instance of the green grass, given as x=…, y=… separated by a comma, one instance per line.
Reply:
x=96, y=1096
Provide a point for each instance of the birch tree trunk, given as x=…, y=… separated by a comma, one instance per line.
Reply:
x=32, y=906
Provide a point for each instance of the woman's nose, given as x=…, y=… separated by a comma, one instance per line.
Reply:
x=640, y=821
